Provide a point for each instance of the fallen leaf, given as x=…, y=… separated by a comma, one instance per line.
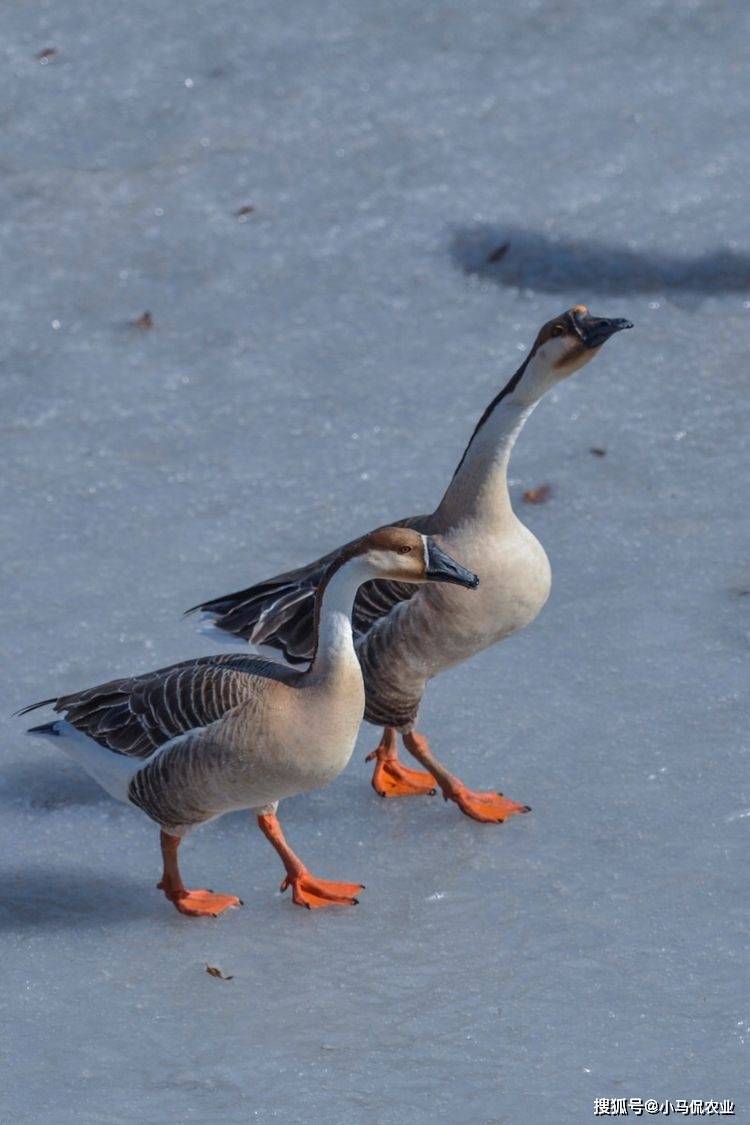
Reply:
x=144, y=322
x=597, y=451
x=46, y=54
x=537, y=495
x=244, y=212
x=213, y=971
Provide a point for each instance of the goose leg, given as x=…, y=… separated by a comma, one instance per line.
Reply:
x=306, y=889
x=390, y=778
x=195, y=903
x=489, y=808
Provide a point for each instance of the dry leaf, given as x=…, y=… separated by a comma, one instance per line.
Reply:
x=144, y=322
x=244, y=212
x=597, y=451
x=213, y=971
x=46, y=54
x=498, y=254
x=537, y=495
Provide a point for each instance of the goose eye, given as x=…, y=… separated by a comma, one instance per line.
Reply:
x=404, y=550
x=557, y=330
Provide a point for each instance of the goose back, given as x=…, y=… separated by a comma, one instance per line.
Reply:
x=136, y=715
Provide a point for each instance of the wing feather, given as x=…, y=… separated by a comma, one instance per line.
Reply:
x=280, y=611
x=135, y=716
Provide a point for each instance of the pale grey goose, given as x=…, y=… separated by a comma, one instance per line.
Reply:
x=405, y=635
x=201, y=738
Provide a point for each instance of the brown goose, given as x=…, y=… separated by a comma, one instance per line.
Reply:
x=405, y=635
x=201, y=738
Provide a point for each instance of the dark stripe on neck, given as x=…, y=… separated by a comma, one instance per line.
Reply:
x=508, y=389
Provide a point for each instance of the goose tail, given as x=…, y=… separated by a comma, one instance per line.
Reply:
x=110, y=769
x=45, y=728
x=34, y=706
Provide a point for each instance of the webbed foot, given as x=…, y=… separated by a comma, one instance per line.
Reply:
x=199, y=903
x=392, y=779
x=489, y=808
x=314, y=893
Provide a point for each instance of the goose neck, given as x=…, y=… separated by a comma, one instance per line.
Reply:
x=479, y=489
x=334, y=648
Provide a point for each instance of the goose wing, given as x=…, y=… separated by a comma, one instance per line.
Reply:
x=137, y=715
x=280, y=611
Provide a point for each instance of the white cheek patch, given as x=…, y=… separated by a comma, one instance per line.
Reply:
x=426, y=553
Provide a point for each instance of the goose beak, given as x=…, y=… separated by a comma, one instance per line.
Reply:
x=596, y=330
x=442, y=568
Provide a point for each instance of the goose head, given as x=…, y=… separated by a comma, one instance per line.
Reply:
x=563, y=345
x=404, y=555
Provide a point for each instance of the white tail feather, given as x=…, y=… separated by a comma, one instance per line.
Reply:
x=207, y=627
x=113, y=772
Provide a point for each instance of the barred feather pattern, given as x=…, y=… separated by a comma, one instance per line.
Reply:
x=392, y=658
x=188, y=783
x=136, y=716
x=387, y=701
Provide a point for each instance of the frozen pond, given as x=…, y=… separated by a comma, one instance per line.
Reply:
x=315, y=367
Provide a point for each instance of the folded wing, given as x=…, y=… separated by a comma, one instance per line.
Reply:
x=280, y=611
x=137, y=715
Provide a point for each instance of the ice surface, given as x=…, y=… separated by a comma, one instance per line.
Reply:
x=313, y=371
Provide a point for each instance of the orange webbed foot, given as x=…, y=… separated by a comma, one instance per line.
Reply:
x=314, y=893
x=489, y=808
x=200, y=903
x=392, y=779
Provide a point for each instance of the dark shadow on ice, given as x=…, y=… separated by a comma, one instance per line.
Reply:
x=44, y=785
x=54, y=898
x=512, y=256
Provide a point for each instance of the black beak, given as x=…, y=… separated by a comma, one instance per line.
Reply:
x=442, y=568
x=596, y=330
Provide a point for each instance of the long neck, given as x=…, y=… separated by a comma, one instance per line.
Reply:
x=479, y=489
x=334, y=649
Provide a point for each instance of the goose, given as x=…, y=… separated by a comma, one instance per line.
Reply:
x=198, y=739
x=405, y=635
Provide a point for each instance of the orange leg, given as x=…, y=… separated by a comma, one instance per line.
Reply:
x=390, y=778
x=195, y=903
x=306, y=889
x=489, y=808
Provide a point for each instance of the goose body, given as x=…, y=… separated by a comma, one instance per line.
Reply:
x=408, y=647
x=195, y=740
x=407, y=635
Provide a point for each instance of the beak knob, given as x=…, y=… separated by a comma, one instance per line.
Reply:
x=596, y=330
